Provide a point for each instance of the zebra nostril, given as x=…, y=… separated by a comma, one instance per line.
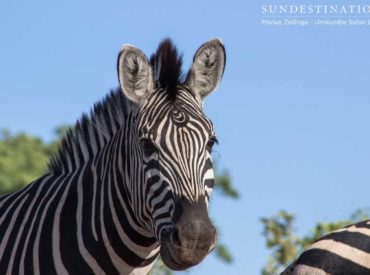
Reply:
x=194, y=235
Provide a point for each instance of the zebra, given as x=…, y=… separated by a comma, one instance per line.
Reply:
x=345, y=251
x=131, y=181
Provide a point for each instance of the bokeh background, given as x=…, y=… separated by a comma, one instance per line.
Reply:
x=291, y=114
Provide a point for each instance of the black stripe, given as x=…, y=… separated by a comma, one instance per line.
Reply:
x=362, y=224
x=46, y=235
x=70, y=254
x=353, y=239
x=4, y=259
x=95, y=248
x=42, y=201
x=331, y=263
x=119, y=247
x=35, y=187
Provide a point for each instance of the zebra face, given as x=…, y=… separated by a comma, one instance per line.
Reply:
x=175, y=141
x=176, y=146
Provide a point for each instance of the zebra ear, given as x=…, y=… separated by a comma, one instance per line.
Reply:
x=208, y=68
x=134, y=73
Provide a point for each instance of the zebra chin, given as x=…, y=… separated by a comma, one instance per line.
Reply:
x=180, y=258
x=188, y=242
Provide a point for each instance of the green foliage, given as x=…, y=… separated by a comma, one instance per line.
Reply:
x=224, y=253
x=279, y=234
x=224, y=185
x=24, y=158
x=61, y=130
x=286, y=245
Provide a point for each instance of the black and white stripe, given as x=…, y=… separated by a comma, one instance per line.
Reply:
x=118, y=179
x=344, y=251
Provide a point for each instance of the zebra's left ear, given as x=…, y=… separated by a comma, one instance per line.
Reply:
x=134, y=73
x=207, y=69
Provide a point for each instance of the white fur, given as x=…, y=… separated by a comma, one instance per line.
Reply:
x=345, y=251
x=134, y=73
x=207, y=69
x=308, y=270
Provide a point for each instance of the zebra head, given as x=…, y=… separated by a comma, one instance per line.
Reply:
x=174, y=141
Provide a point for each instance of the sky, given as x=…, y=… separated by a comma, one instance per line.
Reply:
x=291, y=113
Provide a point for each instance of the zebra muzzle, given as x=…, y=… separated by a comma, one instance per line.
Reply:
x=190, y=241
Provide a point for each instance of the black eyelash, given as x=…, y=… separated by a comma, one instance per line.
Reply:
x=215, y=140
x=212, y=141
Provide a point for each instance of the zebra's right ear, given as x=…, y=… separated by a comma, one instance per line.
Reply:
x=134, y=73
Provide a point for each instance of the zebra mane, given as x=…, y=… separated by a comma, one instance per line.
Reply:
x=91, y=132
x=167, y=63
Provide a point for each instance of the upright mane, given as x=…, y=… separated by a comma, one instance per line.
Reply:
x=92, y=132
x=167, y=63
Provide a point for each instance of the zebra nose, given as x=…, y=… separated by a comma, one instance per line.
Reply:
x=197, y=237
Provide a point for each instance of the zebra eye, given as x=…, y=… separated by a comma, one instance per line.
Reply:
x=148, y=147
x=212, y=141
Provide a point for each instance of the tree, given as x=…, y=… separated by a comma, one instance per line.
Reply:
x=24, y=158
x=286, y=245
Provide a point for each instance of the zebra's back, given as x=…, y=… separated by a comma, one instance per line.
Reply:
x=344, y=251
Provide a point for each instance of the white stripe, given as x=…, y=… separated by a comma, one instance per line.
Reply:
x=132, y=223
x=57, y=257
x=36, y=245
x=362, y=230
x=308, y=270
x=81, y=246
x=30, y=229
x=119, y=264
x=6, y=197
x=162, y=210
x=26, y=217
x=10, y=229
x=345, y=251
x=3, y=215
x=93, y=224
x=142, y=252
x=159, y=199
